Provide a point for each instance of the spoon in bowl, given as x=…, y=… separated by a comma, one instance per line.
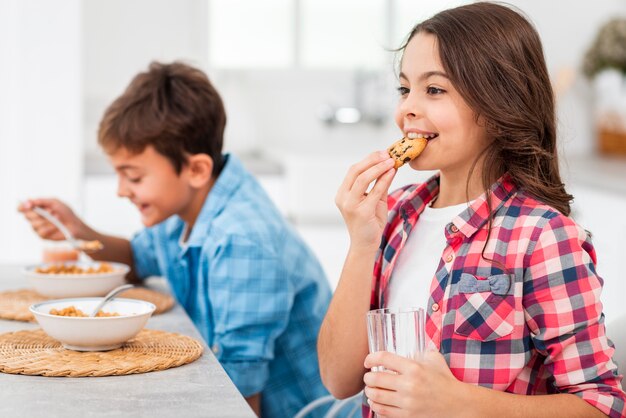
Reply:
x=84, y=246
x=110, y=296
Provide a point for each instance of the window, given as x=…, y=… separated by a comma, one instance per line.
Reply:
x=280, y=34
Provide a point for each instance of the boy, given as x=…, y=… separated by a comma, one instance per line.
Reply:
x=253, y=289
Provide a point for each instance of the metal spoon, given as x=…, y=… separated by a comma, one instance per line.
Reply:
x=110, y=296
x=84, y=246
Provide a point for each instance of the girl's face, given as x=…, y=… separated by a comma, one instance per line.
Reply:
x=151, y=183
x=430, y=105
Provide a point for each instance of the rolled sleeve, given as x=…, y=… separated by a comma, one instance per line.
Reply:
x=252, y=300
x=564, y=314
x=144, y=255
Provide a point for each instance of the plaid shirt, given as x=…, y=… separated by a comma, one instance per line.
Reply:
x=251, y=286
x=516, y=310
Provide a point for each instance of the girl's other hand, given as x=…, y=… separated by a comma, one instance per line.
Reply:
x=365, y=214
x=60, y=210
x=424, y=388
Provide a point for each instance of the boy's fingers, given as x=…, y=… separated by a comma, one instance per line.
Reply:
x=46, y=231
x=40, y=223
x=24, y=206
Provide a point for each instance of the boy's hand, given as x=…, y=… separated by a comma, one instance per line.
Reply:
x=424, y=388
x=61, y=211
x=365, y=214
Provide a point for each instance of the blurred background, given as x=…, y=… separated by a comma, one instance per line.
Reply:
x=309, y=89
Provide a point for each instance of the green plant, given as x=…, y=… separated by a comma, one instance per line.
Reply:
x=608, y=49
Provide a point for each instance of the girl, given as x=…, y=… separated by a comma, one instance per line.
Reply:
x=513, y=302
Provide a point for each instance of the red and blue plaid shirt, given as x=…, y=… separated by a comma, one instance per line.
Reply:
x=516, y=309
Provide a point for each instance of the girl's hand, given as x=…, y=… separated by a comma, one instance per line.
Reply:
x=45, y=229
x=365, y=214
x=424, y=388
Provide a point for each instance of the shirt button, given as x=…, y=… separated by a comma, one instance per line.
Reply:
x=215, y=348
x=435, y=307
x=449, y=258
x=454, y=229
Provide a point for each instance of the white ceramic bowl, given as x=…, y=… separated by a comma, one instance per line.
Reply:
x=76, y=285
x=93, y=334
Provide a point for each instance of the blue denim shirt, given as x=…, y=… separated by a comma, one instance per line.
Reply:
x=251, y=286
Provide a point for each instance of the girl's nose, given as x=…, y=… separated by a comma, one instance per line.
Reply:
x=410, y=107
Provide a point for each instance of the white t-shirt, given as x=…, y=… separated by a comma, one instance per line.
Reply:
x=417, y=263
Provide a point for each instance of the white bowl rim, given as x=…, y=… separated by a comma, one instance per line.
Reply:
x=33, y=308
x=118, y=268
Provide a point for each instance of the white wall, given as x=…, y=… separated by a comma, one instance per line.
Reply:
x=122, y=37
x=567, y=29
x=64, y=61
x=41, y=144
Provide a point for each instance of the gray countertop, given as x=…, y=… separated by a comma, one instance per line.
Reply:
x=596, y=171
x=198, y=389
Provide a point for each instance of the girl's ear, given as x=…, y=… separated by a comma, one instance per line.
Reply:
x=200, y=170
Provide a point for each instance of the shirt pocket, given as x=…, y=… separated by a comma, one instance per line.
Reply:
x=485, y=309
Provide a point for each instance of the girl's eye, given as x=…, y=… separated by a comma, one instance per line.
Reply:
x=403, y=91
x=134, y=180
x=433, y=91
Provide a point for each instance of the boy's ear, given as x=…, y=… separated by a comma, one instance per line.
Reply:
x=200, y=169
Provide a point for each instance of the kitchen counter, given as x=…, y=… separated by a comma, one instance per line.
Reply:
x=198, y=389
x=596, y=171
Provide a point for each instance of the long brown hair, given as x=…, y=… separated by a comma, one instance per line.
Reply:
x=494, y=58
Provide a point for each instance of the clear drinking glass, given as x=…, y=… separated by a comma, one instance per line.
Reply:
x=399, y=331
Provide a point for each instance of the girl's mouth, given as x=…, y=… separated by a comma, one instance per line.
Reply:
x=415, y=135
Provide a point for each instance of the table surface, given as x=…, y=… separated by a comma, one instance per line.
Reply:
x=198, y=389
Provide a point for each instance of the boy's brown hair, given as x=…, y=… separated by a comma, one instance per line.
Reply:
x=172, y=107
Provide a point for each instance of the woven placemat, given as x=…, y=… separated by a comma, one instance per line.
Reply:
x=34, y=353
x=14, y=304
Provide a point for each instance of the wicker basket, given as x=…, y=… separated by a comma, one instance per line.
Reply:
x=612, y=142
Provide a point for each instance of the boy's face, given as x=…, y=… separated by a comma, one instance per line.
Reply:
x=149, y=181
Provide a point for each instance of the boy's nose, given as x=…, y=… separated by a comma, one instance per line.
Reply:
x=122, y=190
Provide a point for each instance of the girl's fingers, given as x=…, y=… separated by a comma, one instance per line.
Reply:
x=382, y=185
x=382, y=380
x=388, y=360
x=363, y=180
x=382, y=396
x=383, y=410
x=360, y=167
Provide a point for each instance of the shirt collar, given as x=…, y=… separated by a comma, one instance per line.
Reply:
x=477, y=214
x=471, y=219
x=228, y=181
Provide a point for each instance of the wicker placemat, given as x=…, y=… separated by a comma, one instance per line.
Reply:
x=34, y=353
x=14, y=304
x=162, y=301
